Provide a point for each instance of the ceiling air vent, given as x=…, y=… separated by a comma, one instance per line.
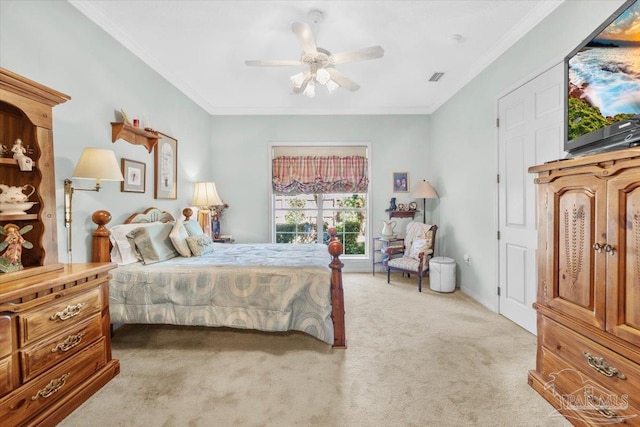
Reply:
x=436, y=76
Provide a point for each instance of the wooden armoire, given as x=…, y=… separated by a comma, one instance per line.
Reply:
x=55, y=344
x=588, y=302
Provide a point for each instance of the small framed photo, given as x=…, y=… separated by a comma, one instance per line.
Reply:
x=166, y=168
x=401, y=182
x=135, y=176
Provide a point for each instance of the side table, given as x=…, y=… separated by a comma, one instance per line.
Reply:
x=379, y=247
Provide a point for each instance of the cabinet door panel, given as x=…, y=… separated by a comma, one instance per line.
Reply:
x=623, y=263
x=577, y=222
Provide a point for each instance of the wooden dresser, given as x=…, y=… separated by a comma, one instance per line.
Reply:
x=55, y=346
x=588, y=303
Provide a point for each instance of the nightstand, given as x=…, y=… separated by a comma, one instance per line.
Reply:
x=223, y=239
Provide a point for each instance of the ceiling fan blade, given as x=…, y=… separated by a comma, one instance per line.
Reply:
x=342, y=80
x=305, y=37
x=273, y=63
x=372, y=52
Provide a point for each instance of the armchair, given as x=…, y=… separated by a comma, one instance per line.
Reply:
x=413, y=257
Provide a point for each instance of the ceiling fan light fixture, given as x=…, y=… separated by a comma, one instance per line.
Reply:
x=331, y=86
x=310, y=90
x=298, y=79
x=322, y=76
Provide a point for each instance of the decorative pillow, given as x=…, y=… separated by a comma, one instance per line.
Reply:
x=122, y=253
x=200, y=245
x=153, y=243
x=193, y=228
x=417, y=247
x=178, y=238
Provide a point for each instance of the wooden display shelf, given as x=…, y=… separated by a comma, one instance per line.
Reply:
x=20, y=217
x=11, y=162
x=402, y=214
x=133, y=135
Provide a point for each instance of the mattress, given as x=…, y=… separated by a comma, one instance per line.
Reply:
x=269, y=287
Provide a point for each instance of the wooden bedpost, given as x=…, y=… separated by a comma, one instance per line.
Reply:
x=187, y=212
x=100, y=247
x=337, y=294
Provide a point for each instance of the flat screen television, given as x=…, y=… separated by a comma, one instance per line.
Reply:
x=603, y=86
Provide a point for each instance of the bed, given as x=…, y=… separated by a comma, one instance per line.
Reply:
x=268, y=287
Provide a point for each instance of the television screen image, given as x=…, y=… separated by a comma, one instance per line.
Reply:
x=603, y=99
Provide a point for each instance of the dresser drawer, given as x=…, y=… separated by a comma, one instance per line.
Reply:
x=577, y=397
x=6, y=383
x=52, y=386
x=52, y=317
x=40, y=356
x=615, y=372
x=6, y=337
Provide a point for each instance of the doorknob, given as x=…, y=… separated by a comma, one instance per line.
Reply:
x=597, y=248
x=609, y=249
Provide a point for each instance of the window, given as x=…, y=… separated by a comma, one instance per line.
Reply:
x=317, y=188
x=296, y=219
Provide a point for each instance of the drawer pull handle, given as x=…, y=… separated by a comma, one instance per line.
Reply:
x=53, y=386
x=69, y=343
x=601, y=365
x=69, y=312
x=603, y=410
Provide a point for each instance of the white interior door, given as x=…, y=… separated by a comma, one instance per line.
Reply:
x=530, y=132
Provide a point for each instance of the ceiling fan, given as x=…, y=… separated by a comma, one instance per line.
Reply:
x=321, y=63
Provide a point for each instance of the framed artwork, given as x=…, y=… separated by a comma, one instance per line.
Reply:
x=135, y=176
x=401, y=182
x=166, y=168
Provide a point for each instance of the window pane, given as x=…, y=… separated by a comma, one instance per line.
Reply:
x=296, y=218
x=347, y=213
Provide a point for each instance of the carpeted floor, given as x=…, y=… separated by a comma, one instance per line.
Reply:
x=414, y=359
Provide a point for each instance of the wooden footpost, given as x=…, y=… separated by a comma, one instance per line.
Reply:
x=337, y=293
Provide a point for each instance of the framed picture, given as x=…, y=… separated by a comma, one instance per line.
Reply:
x=135, y=176
x=166, y=168
x=401, y=182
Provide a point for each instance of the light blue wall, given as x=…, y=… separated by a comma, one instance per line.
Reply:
x=241, y=157
x=52, y=43
x=464, y=142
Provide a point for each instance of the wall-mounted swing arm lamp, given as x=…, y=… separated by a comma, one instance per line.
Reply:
x=205, y=196
x=424, y=190
x=96, y=164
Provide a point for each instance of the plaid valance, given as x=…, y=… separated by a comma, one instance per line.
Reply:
x=319, y=174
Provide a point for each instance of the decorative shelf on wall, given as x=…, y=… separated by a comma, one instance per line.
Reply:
x=20, y=217
x=11, y=162
x=402, y=214
x=133, y=135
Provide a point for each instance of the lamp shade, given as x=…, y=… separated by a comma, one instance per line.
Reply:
x=424, y=190
x=206, y=195
x=98, y=164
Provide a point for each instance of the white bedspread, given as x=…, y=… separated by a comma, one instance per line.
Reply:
x=270, y=287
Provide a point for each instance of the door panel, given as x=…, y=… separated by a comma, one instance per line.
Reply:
x=623, y=262
x=577, y=222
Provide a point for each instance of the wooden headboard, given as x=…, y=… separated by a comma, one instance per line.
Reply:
x=101, y=245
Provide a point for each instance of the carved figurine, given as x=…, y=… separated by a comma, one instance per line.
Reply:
x=11, y=259
x=19, y=153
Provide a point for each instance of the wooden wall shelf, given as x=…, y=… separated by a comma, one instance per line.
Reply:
x=20, y=217
x=11, y=162
x=133, y=135
x=402, y=214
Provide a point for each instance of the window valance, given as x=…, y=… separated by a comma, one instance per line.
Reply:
x=319, y=174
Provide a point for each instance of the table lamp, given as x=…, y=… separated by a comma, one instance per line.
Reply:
x=204, y=197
